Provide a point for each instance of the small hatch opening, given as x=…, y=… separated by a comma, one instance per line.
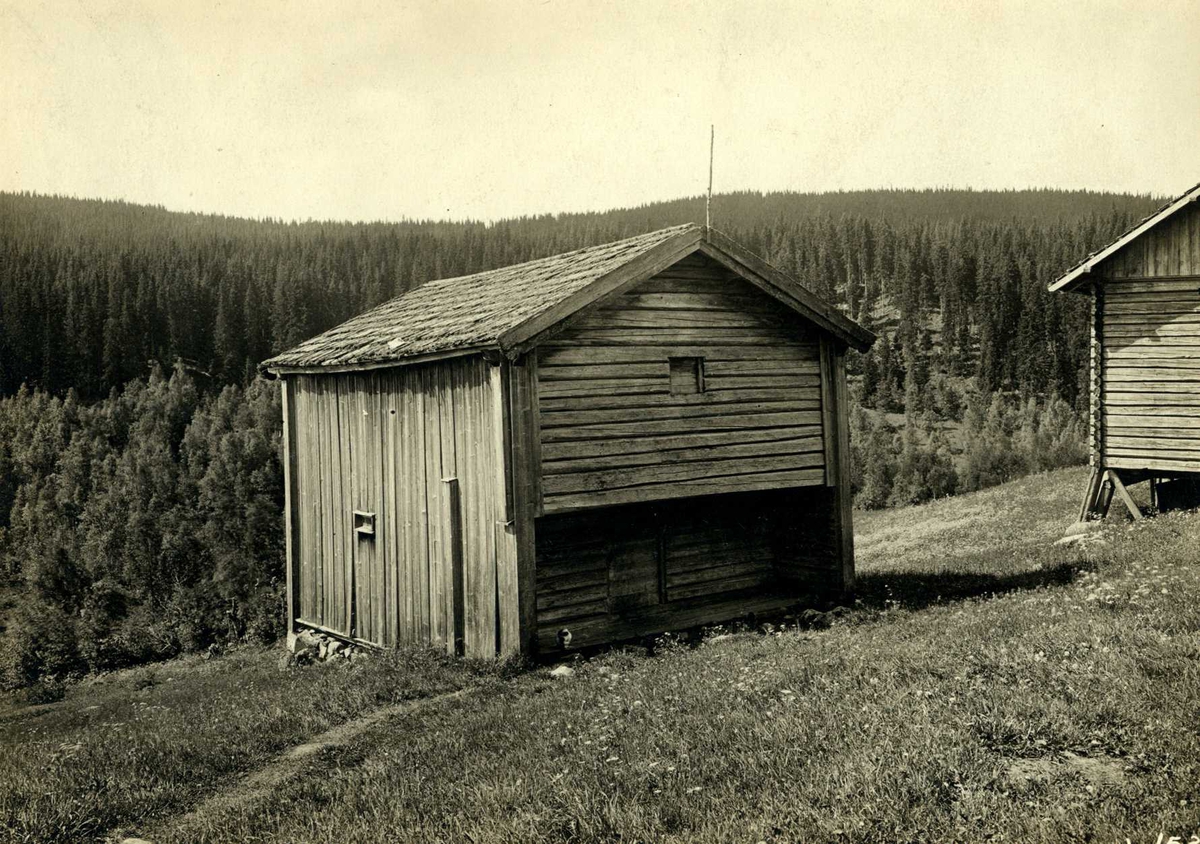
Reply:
x=364, y=523
x=687, y=376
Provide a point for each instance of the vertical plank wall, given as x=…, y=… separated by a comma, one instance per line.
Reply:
x=612, y=432
x=1150, y=335
x=383, y=442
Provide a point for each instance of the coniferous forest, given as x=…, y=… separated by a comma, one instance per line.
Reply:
x=140, y=487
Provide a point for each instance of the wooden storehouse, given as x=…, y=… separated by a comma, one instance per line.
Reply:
x=629, y=438
x=1144, y=422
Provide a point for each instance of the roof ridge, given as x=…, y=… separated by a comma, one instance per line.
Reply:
x=554, y=256
x=509, y=307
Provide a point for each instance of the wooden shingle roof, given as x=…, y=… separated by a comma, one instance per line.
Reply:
x=507, y=309
x=1077, y=274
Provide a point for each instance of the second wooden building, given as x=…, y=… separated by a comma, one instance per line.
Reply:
x=1144, y=289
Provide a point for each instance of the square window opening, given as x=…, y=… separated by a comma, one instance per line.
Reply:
x=687, y=376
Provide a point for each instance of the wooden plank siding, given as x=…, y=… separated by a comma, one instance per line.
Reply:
x=611, y=432
x=1150, y=365
x=292, y=499
x=1171, y=248
x=381, y=442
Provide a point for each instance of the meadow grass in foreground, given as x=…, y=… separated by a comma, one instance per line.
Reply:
x=990, y=685
x=127, y=747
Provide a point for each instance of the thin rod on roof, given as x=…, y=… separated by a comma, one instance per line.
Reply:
x=712, y=139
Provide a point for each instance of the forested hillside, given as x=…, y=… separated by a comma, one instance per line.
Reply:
x=140, y=482
x=91, y=292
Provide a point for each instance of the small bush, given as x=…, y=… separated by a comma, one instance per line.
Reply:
x=262, y=616
x=38, y=643
x=46, y=690
x=103, y=608
x=142, y=636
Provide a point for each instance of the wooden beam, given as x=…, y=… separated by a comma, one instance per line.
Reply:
x=508, y=625
x=844, y=502
x=283, y=370
x=1130, y=504
x=522, y=397
x=828, y=412
x=291, y=501
x=1096, y=384
x=1089, y=496
x=1104, y=498
x=458, y=580
x=1157, y=464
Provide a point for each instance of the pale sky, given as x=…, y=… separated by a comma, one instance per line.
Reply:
x=363, y=110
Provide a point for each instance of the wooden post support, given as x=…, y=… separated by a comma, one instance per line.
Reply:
x=845, y=496
x=1106, y=495
x=1092, y=493
x=1096, y=370
x=291, y=501
x=458, y=580
x=1098, y=495
x=526, y=472
x=508, y=624
x=1130, y=504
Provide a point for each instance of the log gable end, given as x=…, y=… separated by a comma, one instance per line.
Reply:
x=612, y=429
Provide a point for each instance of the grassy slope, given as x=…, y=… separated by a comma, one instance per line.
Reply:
x=916, y=719
x=940, y=709
x=128, y=747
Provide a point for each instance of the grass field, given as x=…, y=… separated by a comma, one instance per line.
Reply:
x=128, y=748
x=988, y=685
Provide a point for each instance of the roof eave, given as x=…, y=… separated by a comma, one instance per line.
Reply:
x=279, y=370
x=1072, y=281
x=787, y=289
x=1074, y=277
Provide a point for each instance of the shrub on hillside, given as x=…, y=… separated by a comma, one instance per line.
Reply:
x=1001, y=440
x=925, y=469
x=144, y=525
x=987, y=435
x=873, y=459
x=39, y=642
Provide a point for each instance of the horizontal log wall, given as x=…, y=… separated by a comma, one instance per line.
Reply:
x=1151, y=350
x=382, y=442
x=613, y=433
x=615, y=573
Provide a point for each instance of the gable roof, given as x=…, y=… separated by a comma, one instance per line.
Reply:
x=1073, y=277
x=510, y=308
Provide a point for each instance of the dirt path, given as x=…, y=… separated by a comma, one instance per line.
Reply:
x=255, y=785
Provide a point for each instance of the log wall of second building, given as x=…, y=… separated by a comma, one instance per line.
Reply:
x=612, y=430
x=384, y=444
x=1149, y=301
